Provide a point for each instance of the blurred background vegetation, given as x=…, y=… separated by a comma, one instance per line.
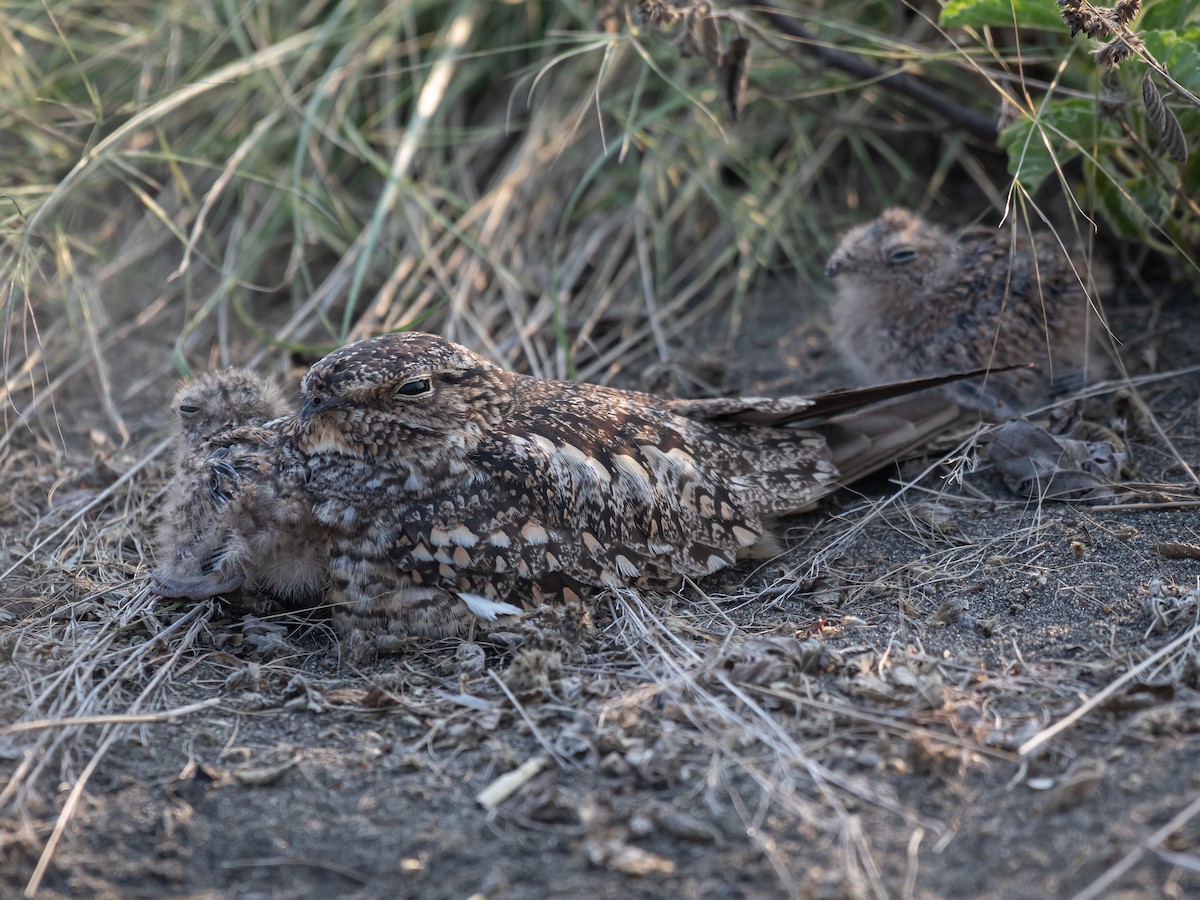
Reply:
x=571, y=187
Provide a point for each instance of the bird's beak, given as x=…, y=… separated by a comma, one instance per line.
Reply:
x=308, y=411
x=833, y=269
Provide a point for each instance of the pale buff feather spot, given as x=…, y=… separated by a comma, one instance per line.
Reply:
x=534, y=533
x=463, y=536
x=744, y=536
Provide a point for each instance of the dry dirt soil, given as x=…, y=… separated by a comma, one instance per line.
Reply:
x=853, y=730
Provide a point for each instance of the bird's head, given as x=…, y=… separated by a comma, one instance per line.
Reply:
x=399, y=393
x=896, y=249
x=224, y=399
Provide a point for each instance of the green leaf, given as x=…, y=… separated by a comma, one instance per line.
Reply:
x=1118, y=214
x=1179, y=51
x=1134, y=207
x=1067, y=126
x=1025, y=13
x=1168, y=14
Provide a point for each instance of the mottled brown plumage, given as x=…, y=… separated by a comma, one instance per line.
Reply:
x=451, y=486
x=234, y=518
x=916, y=300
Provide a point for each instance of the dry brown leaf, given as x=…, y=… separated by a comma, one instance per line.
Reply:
x=949, y=612
x=1141, y=695
x=263, y=776
x=357, y=698
x=774, y=658
x=1079, y=784
x=735, y=73
x=1037, y=464
x=627, y=859
x=1177, y=550
x=687, y=827
x=710, y=36
x=1169, y=131
x=927, y=756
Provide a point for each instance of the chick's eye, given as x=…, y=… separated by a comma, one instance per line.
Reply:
x=315, y=402
x=416, y=387
x=186, y=410
x=901, y=256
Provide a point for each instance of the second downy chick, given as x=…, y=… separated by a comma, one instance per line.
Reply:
x=915, y=299
x=233, y=519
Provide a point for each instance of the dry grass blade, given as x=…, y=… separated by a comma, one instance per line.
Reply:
x=166, y=715
x=232, y=72
x=1035, y=743
x=1102, y=885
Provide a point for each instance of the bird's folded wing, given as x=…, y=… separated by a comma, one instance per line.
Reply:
x=867, y=440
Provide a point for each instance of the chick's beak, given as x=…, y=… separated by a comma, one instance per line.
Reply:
x=833, y=269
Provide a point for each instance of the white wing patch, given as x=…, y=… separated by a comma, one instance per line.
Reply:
x=489, y=610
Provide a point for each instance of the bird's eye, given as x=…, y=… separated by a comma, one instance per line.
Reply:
x=315, y=402
x=186, y=410
x=901, y=256
x=416, y=387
